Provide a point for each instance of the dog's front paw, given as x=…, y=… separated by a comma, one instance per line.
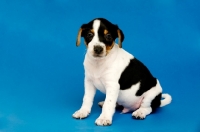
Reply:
x=81, y=114
x=103, y=121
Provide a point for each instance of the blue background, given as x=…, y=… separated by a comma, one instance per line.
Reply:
x=41, y=70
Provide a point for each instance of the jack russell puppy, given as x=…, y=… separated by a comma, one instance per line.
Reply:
x=124, y=79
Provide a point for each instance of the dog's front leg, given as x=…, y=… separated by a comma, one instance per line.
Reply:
x=108, y=108
x=85, y=109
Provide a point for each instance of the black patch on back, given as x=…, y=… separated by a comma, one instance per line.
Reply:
x=156, y=102
x=137, y=72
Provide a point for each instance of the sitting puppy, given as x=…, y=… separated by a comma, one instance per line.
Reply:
x=125, y=80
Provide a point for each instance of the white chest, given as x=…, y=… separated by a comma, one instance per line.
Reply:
x=98, y=83
x=105, y=73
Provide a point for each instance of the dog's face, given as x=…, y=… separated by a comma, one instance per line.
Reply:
x=99, y=35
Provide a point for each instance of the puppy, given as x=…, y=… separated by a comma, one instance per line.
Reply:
x=125, y=80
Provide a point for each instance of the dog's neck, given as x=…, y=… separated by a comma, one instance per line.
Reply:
x=102, y=60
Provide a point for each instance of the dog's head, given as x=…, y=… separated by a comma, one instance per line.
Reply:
x=99, y=35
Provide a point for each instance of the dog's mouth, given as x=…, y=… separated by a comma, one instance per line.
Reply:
x=102, y=55
x=98, y=55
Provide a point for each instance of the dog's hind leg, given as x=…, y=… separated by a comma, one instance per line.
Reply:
x=150, y=102
x=101, y=104
x=118, y=107
x=147, y=107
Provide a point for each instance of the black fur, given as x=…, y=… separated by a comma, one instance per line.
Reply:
x=156, y=102
x=137, y=72
x=85, y=30
x=112, y=30
x=105, y=24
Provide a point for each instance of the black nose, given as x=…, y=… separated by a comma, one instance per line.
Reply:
x=98, y=49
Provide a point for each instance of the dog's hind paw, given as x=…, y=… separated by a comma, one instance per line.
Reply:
x=141, y=113
x=101, y=104
x=81, y=114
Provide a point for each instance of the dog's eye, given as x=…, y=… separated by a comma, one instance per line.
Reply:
x=108, y=37
x=89, y=35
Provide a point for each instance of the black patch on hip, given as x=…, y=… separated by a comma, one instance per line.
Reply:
x=137, y=72
x=156, y=102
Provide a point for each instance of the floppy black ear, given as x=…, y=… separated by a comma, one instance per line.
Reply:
x=120, y=37
x=78, y=40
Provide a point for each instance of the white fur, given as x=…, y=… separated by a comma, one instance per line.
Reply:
x=95, y=41
x=103, y=73
x=167, y=100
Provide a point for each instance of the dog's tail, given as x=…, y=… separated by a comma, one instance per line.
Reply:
x=166, y=100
